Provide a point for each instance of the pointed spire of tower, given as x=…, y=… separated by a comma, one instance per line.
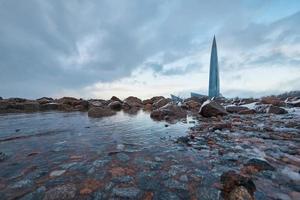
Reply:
x=214, y=83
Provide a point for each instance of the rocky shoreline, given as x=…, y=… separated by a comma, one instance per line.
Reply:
x=227, y=128
x=161, y=108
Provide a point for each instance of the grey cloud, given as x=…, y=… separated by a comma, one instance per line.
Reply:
x=39, y=39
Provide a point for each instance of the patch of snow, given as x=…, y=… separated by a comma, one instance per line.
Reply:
x=206, y=102
x=295, y=111
x=250, y=105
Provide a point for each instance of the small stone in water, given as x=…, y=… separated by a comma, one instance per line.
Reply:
x=183, y=178
x=3, y=156
x=61, y=192
x=130, y=192
x=57, y=173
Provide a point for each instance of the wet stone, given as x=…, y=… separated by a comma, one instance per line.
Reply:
x=22, y=184
x=63, y=192
x=123, y=179
x=183, y=178
x=72, y=165
x=123, y=157
x=129, y=193
x=100, y=163
x=147, y=181
x=99, y=196
x=165, y=195
x=57, y=173
x=37, y=194
x=260, y=164
x=3, y=156
x=158, y=159
x=207, y=193
x=174, y=184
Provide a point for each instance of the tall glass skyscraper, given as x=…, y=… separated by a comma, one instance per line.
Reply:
x=214, y=82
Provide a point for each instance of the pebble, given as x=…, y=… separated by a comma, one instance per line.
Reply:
x=3, y=156
x=62, y=192
x=22, y=184
x=130, y=192
x=183, y=178
x=57, y=173
x=123, y=157
x=173, y=184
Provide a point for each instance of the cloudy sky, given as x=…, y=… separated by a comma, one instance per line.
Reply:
x=100, y=48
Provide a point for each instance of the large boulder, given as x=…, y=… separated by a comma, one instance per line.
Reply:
x=276, y=110
x=156, y=98
x=236, y=109
x=115, y=105
x=168, y=112
x=193, y=105
x=44, y=100
x=148, y=107
x=114, y=98
x=97, y=102
x=200, y=100
x=160, y=103
x=273, y=101
x=147, y=101
x=133, y=101
x=211, y=108
x=100, y=112
x=69, y=101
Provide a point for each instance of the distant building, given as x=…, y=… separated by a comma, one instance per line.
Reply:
x=214, y=82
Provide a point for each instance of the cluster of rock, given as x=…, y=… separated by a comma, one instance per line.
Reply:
x=161, y=108
x=42, y=104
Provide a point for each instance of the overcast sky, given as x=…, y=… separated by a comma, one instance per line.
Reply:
x=96, y=49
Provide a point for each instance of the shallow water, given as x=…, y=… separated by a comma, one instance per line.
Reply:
x=57, y=148
x=132, y=157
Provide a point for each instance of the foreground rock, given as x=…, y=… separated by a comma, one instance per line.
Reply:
x=169, y=112
x=276, y=110
x=212, y=109
x=235, y=185
x=100, y=112
x=240, y=193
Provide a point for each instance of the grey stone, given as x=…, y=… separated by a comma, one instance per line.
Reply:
x=130, y=192
x=173, y=184
x=62, y=192
x=123, y=157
